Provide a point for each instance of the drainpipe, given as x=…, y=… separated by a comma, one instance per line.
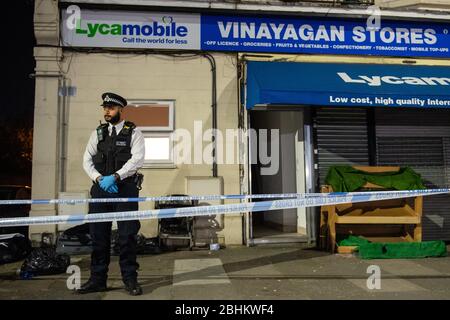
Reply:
x=212, y=61
x=62, y=124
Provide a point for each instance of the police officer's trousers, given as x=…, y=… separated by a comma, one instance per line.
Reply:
x=101, y=234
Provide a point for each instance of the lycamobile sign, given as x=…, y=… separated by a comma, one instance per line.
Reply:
x=377, y=81
x=241, y=33
x=133, y=30
x=168, y=29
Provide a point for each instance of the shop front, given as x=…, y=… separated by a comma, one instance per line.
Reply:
x=336, y=91
x=350, y=114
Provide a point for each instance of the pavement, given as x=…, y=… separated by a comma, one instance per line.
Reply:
x=288, y=271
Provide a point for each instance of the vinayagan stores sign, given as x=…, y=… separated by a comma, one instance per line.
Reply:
x=244, y=33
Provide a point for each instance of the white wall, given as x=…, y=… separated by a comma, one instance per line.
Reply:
x=187, y=81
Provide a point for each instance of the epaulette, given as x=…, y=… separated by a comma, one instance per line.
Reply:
x=128, y=127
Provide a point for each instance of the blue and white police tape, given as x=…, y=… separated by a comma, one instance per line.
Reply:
x=327, y=199
x=159, y=198
x=196, y=197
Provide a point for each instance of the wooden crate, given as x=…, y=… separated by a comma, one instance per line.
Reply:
x=374, y=215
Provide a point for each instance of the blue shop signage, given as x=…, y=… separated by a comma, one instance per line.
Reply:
x=256, y=33
x=323, y=36
x=343, y=84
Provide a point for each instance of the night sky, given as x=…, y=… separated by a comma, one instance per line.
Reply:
x=17, y=91
x=19, y=88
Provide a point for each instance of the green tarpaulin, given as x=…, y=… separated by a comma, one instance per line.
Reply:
x=353, y=241
x=348, y=179
x=403, y=250
x=396, y=250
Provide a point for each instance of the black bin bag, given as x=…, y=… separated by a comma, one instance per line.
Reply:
x=13, y=247
x=44, y=261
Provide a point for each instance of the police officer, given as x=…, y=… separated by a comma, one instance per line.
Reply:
x=113, y=155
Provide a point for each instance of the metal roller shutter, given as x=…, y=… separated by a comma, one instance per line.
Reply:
x=420, y=139
x=341, y=138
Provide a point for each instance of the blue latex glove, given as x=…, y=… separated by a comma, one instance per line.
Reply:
x=113, y=188
x=107, y=182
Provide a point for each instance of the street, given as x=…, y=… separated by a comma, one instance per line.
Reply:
x=288, y=271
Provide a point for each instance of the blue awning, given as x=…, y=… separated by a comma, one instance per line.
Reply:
x=345, y=84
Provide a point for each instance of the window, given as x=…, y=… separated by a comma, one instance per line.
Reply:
x=155, y=118
x=158, y=148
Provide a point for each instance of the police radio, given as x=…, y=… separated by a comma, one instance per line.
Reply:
x=100, y=132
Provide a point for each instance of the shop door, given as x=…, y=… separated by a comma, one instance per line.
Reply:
x=283, y=132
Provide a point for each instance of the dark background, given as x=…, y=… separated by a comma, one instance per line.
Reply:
x=17, y=97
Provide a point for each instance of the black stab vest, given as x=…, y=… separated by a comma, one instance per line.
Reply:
x=113, y=153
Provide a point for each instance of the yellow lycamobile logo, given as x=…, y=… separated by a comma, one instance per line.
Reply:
x=168, y=28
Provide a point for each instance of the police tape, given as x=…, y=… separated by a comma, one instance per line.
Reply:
x=326, y=199
x=197, y=197
x=160, y=198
